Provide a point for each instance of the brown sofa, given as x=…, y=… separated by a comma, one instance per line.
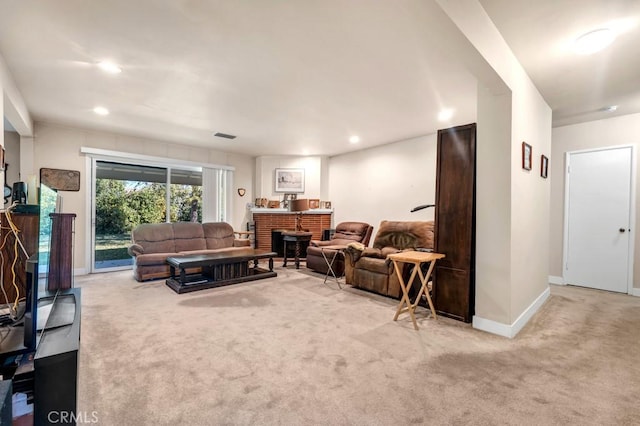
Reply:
x=152, y=243
x=369, y=268
x=346, y=232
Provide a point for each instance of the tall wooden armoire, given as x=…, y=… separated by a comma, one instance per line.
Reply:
x=14, y=259
x=455, y=222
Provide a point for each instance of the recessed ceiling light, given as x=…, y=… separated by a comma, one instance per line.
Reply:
x=101, y=110
x=109, y=67
x=610, y=108
x=354, y=139
x=593, y=41
x=445, y=114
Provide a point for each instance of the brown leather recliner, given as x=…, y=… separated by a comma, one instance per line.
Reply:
x=370, y=269
x=346, y=232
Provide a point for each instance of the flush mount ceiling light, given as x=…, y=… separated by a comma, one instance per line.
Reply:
x=101, y=110
x=593, y=41
x=354, y=139
x=445, y=114
x=610, y=108
x=109, y=67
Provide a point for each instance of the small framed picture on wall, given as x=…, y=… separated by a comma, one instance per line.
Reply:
x=544, y=166
x=289, y=180
x=527, y=153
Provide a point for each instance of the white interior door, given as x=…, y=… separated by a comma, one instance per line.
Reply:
x=598, y=211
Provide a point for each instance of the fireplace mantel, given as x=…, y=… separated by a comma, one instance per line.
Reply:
x=287, y=211
x=266, y=220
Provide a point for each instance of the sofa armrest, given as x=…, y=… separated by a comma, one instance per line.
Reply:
x=135, y=249
x=241, y=242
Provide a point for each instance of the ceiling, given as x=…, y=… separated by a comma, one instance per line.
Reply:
x=294, y=77
x=576, y=87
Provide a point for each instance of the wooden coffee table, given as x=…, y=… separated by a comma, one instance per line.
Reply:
x=218, y=269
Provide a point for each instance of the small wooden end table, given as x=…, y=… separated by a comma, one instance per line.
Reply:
x=294, y=237
x=416, y=258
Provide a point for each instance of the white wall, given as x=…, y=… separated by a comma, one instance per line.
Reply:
x=531, y=122
x=385, y=182
x=621, y=130
x=12, y=158
x=507, y=294
x=313, y=166
x=13, y=106
x=59, y=147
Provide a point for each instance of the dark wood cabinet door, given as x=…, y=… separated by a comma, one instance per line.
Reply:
x=455, y=222
x=14, y=263
x=61, y=255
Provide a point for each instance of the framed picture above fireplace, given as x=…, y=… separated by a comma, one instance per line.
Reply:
x=289, y=180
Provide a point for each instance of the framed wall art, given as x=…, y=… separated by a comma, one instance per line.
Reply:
x=544, y=166
x=527, y=153
x=289, y=180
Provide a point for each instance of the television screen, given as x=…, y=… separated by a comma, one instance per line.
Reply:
x=37, y=311
x=48, y=201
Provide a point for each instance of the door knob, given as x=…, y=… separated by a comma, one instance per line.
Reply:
x=622, y=229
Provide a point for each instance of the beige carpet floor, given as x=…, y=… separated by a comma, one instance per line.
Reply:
x=293, y=351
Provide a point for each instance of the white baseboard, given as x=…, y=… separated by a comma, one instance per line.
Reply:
x=635, y=292
x=556, y=280
x=80, y=271
x=512, y=330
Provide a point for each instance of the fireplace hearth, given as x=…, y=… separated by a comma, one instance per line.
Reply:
x=265, y=222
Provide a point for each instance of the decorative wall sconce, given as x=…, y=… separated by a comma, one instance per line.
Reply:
x=241, y=192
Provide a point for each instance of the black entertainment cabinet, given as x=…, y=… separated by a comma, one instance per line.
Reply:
x=49, y=376
x=55, y=382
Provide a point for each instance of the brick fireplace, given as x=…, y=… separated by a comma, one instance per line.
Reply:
x=265, y=222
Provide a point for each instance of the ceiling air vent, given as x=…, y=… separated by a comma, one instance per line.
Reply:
x=224, y=135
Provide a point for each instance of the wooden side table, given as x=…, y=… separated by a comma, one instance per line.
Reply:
x=294, y=237
x=416, y=258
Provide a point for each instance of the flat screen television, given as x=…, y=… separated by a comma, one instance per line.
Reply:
x=38, y=308
x=54, y=310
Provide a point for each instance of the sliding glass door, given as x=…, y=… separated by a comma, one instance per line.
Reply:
x=127, y=195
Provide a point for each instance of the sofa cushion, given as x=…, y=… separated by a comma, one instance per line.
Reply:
x=218, y=235
x=211, y=251
x=155, y=237
x=386, y=251
x=404, y=235
x=372, y=264
x=188, y=236
x=373, y=252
